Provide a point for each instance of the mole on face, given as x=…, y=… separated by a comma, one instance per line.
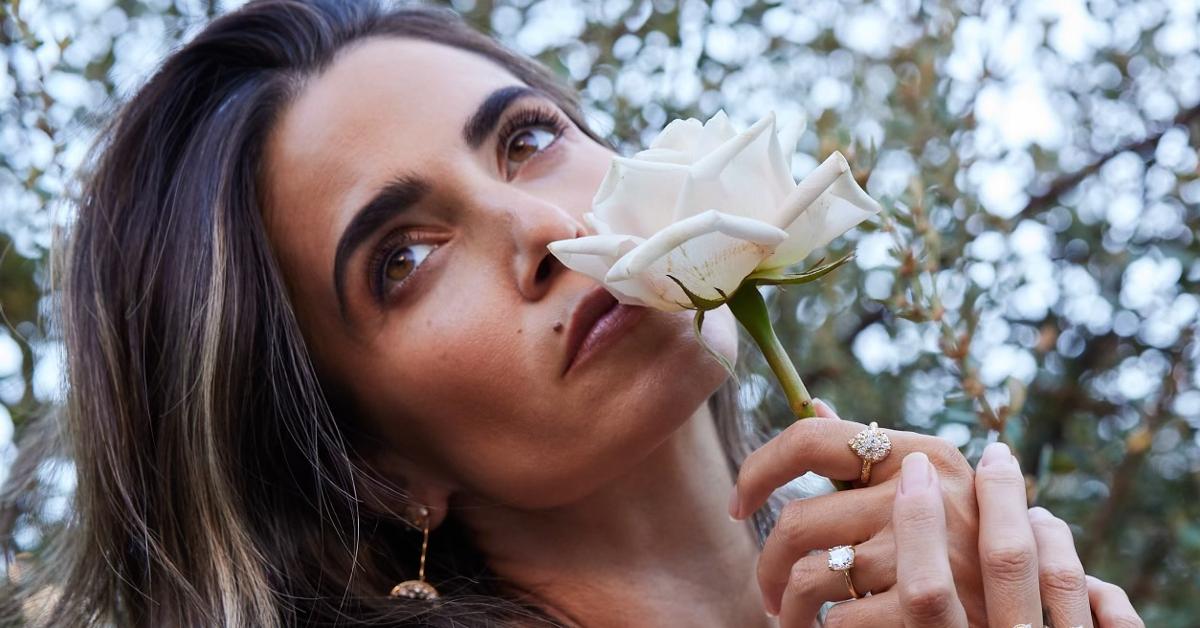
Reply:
x=558, y=326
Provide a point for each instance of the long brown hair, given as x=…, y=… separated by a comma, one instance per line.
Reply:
x=217, y=482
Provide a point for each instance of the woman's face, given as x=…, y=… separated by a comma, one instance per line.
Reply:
x=450, y=344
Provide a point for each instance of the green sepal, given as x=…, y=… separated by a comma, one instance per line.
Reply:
x=697, y=325
x=698, y=301
x=774, y=277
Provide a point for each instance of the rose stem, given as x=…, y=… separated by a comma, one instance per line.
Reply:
x=749, y=308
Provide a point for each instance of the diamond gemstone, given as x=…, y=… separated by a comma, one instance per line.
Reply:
x=871, y=444
x=841, y=557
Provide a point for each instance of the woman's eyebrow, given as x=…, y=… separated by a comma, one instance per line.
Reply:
x=407, y=189
x=483, y=121
x=396, y=197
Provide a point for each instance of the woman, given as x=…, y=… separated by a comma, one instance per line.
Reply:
x=308, y=301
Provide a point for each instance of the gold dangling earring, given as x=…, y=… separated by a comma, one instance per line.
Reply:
x=418, y=589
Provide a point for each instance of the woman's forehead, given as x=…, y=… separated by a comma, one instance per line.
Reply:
x=383, y=106
x=384, y=95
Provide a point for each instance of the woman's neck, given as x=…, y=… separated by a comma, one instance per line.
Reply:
x=654, y=547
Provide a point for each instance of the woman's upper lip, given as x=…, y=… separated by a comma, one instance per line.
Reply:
x=594, y=304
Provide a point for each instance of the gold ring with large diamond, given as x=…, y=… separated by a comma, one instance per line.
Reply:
x=841, y=558
x=872, y=446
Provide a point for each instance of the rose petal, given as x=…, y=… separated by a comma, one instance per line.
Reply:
x=716, y=131
x=637, y=291
x=789, y=134
x=594, y=256
x=782, y=146
x=716, y=161
x=598, y=226
x=826, y=204
x=667, y=155
x=678, y=135
x=644, y=187
x=740, y=178
x=708, y=251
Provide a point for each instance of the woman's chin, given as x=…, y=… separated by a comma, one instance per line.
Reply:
x=668, y=340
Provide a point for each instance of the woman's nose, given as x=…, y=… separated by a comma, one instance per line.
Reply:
x=536, y=224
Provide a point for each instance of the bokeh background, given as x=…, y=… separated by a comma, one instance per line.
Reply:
x=1033, y=277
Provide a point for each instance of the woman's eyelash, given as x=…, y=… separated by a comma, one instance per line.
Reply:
x=531, y=116
x=382, y=254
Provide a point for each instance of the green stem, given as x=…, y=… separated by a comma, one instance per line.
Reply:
x=749, y=308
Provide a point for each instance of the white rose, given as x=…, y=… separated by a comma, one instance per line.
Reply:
x=710, y=206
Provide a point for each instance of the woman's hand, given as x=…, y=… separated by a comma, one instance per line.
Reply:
x=795, y=584
x=1028, y=557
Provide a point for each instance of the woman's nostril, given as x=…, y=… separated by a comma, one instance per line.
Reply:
x=545, y=267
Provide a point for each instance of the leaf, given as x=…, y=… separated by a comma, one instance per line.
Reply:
x=700, y=302
x=697, y=324
x=773, y=278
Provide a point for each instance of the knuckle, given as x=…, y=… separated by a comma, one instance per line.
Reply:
x=800, y=577
x=821, y=447
x=792, y=522
x=1063, y=580
x=999, y=477
x=803, y=434
x=838, y=618
x=927, y=601
x=917, y=518
x=1010, y=562
x=749, y=463
x=944, y=452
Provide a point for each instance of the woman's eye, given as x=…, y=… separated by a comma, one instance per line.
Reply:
x=525, y=144
x=397, y=264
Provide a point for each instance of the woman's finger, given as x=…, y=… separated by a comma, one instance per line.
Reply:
x=815, y=523
x=1111, y=606
x=821, y=445
x=1061, y=578
x=816, y=444
x=924, y=582
x=812, y=582
x=1007, y=550
x=878, y=611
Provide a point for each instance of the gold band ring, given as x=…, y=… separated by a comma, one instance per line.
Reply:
x=841, y=558
x=850, y=585
x=872, y=446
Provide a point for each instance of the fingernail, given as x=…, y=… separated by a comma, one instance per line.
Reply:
x=1037, y=512
x=734, y=506
x=770, y=614
x=995, y=453
x=915, y=473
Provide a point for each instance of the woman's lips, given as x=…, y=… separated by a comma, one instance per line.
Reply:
x=598, y=321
